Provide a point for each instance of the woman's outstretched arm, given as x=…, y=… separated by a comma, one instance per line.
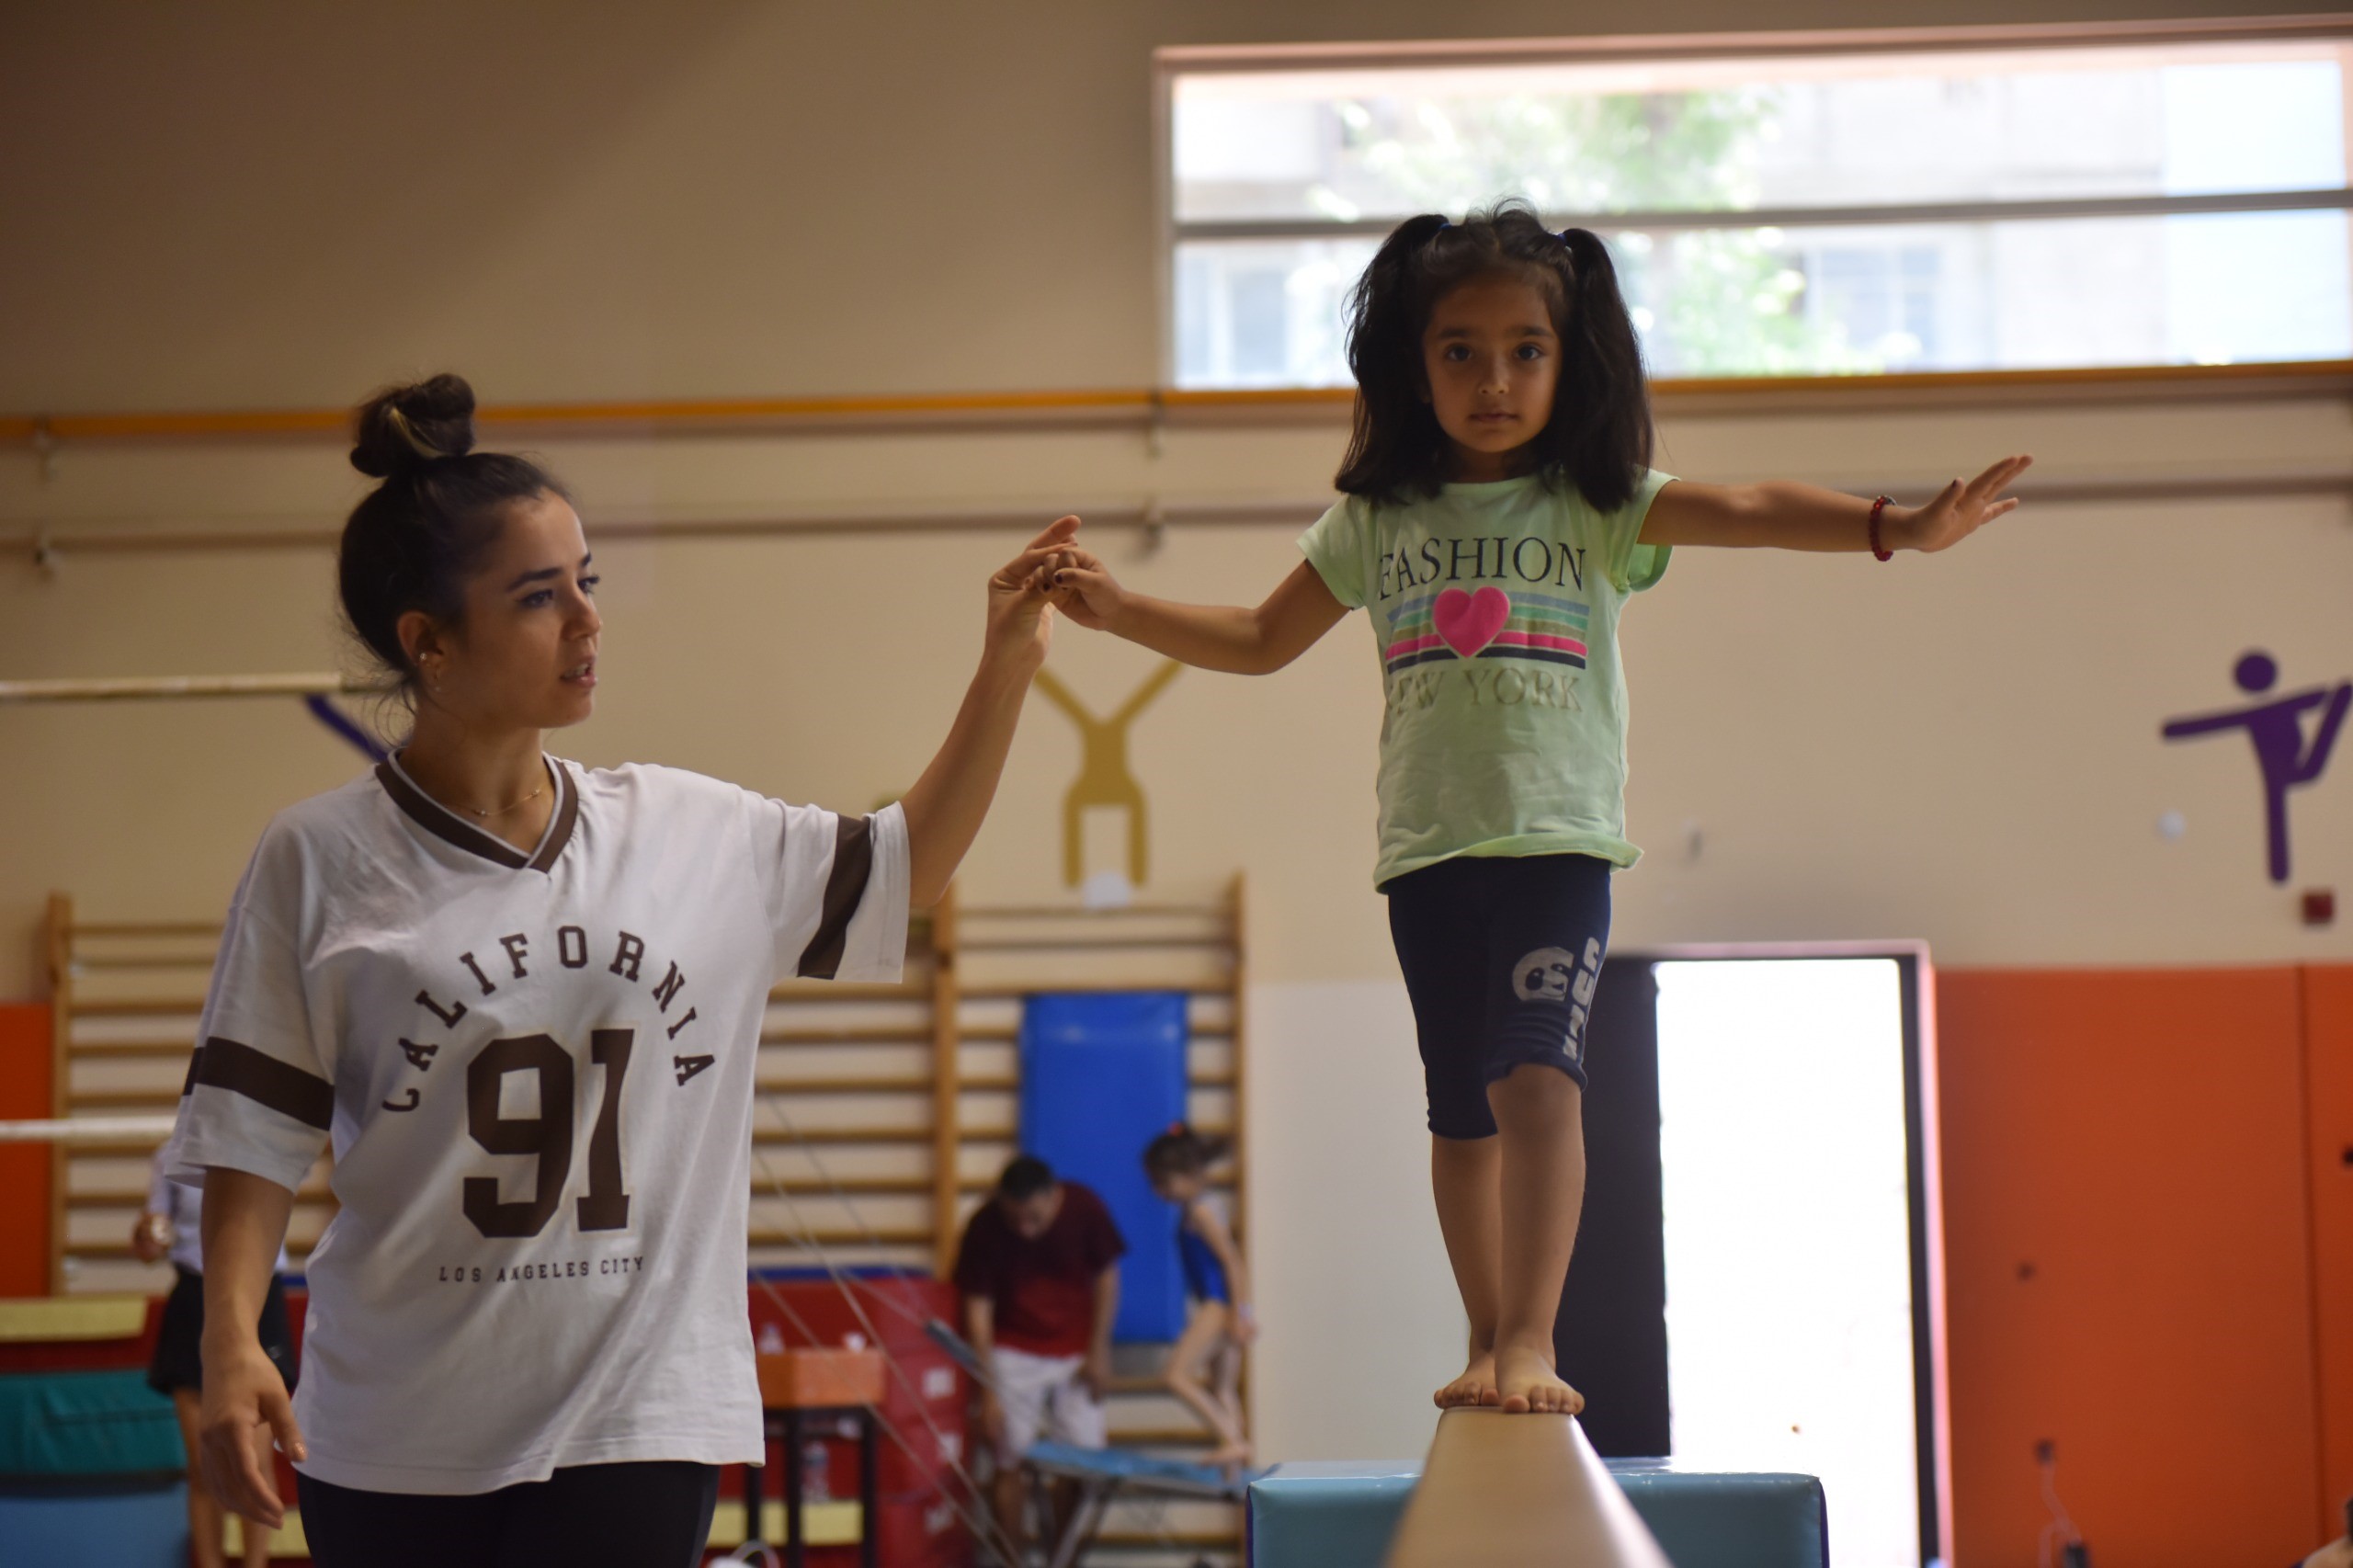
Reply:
x=1231, y=638
x=946, y=807
x=1782, y=515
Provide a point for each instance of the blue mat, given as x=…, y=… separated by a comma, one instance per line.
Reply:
x=91, y=1472
x=1102, y=1074
x=1149, y=1472
x=147, y=1528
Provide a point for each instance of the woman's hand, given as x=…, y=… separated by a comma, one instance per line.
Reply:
x=242, y=1393
x=1958, y=510
x=1021, y=619
x=1241, y=1324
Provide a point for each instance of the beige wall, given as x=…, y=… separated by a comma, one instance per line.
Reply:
x=259, y=204
x=282, y=205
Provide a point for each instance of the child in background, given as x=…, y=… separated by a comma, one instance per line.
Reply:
x=168, y=1228
x=1501, y=406
x=1205, y=1365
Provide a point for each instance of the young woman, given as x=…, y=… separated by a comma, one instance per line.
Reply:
x=521, y=1000
x=1205, y=1364
x=1499, y=511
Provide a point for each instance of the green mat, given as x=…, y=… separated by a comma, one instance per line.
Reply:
x=84, y=1427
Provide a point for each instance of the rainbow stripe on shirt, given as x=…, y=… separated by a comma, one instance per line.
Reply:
x=1541, y=627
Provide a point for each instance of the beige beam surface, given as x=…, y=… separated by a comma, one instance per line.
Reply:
x=1525, y=1490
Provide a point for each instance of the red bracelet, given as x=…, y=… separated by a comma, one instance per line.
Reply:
x=1879, y=505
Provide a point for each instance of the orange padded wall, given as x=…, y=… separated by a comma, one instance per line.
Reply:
x=2128, y=1245
x=2328, y=1037
x=24, y=1167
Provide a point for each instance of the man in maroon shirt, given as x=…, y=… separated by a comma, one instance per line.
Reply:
x=1040, y=1274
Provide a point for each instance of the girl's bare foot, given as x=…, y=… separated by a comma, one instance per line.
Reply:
x=1228, y=1456
x=1525, y=1380
x=1476, y=1386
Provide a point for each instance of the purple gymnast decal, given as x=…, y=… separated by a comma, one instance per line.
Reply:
x=2281, y=749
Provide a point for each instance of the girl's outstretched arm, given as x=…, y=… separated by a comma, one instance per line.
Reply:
x=945, y=808
x=1780, y=515
x=1231, y=638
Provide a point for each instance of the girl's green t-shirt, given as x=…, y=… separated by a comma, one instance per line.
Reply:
x=1494, y=613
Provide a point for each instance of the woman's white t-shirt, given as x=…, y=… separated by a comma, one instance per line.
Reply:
x=537, y=1073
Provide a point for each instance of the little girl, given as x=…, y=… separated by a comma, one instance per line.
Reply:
x=1498, y=511
x=1178, y=1162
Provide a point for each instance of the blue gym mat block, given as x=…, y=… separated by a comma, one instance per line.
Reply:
x=1735, y=1520
x=1340, y=1514
x=1328, y=1513
x=143, y=1529
x=1102, y=1074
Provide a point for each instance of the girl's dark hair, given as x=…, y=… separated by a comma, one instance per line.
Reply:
x=416, y=537
x=1599, y=439
x=1180, y=1151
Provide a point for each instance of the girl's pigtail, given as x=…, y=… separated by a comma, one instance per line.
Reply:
x=1394, y=434
x=1602, y=406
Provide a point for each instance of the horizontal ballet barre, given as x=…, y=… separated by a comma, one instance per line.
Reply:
x=2114, y=489
x=1114, y=406
x=173, y=687
x=1518, y=1491
x=88, y=1128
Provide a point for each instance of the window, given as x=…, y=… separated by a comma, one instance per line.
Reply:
x=2075, y=205
x=1784, y=1145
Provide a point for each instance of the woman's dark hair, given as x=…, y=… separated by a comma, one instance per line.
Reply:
x=416, y=537
x=1599, y=437
x=1181, y=1151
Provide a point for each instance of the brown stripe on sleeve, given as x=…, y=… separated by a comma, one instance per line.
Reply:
x=264, y=1080
x=844, y=890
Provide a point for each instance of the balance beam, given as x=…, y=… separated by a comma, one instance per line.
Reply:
x=1518, y=1491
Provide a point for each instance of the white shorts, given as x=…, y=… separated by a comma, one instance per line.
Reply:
x=1043, y=1396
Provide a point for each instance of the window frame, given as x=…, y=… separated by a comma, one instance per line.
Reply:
x=1171, y=62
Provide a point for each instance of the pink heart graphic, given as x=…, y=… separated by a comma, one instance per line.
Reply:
x=1469, y=621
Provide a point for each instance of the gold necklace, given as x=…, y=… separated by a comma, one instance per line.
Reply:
x=517, y=805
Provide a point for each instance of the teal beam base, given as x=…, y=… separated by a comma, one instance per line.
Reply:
x=1341, y=1514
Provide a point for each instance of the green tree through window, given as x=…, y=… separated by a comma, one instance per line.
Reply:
x=1709, y=301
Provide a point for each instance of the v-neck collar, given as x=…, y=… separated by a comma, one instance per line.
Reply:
x=448, y=825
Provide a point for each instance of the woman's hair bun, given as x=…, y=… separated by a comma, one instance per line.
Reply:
x=403, y=429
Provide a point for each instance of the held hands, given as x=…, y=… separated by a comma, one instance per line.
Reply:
x=242, y=1393
x=1083, y=587
x=1958, y=510
x=1022, y=617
